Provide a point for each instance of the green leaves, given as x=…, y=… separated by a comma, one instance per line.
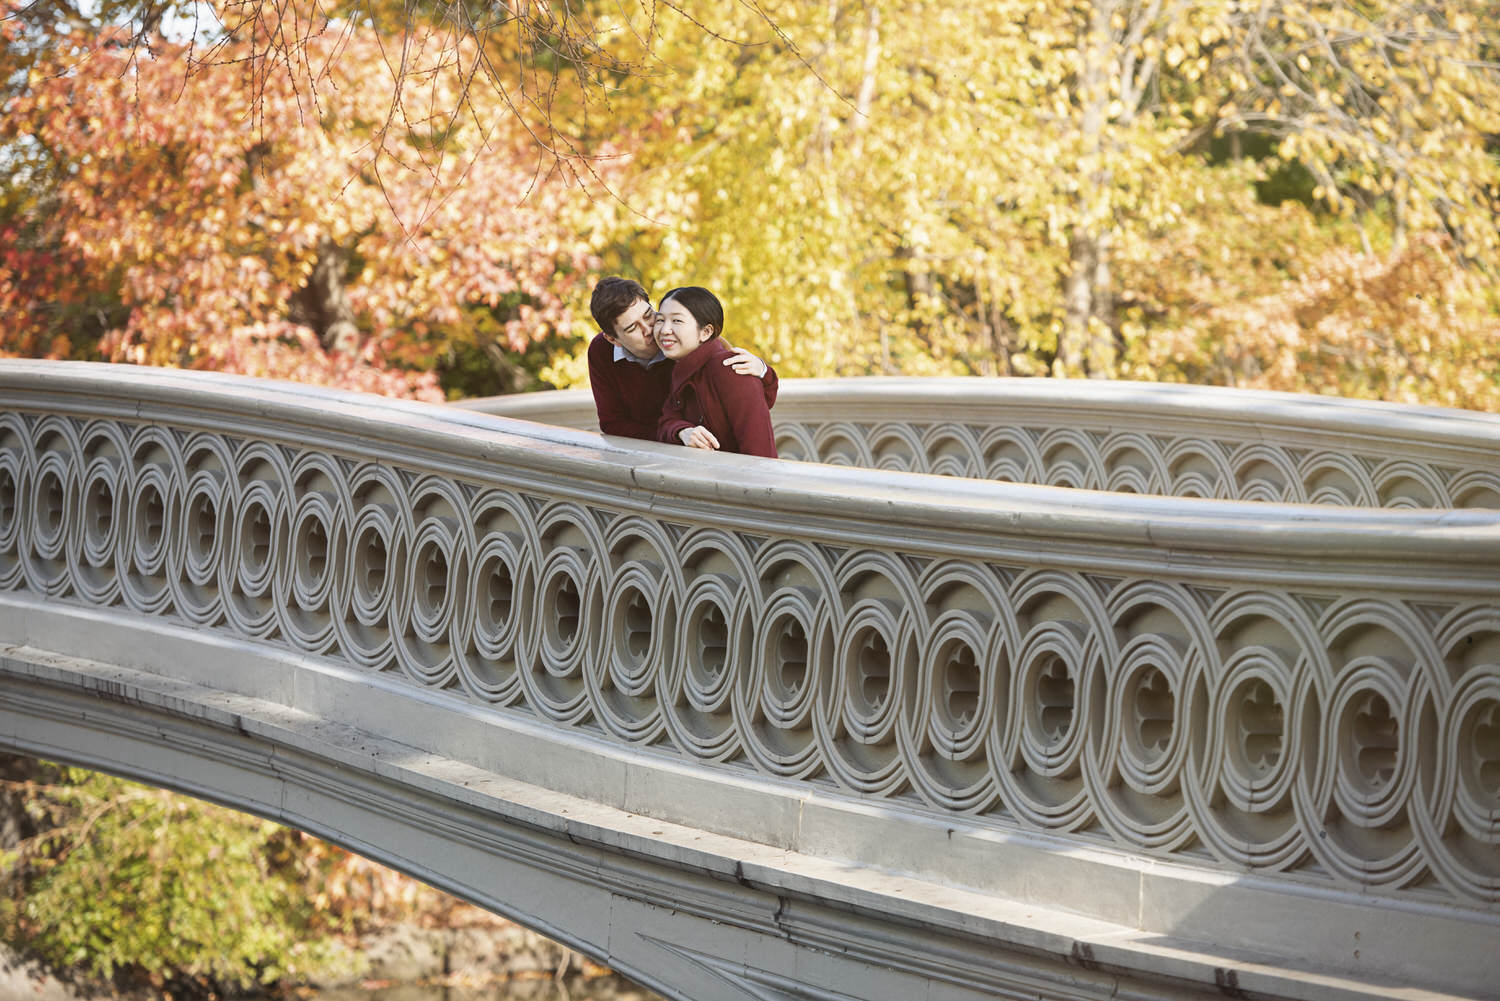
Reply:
x=142, y=883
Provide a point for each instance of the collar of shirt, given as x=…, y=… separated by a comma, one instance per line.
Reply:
x=622, y=355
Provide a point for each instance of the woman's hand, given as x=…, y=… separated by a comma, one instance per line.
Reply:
x=746, y=363
x=698, y=437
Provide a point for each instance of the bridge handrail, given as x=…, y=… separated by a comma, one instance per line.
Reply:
x=1147, y=438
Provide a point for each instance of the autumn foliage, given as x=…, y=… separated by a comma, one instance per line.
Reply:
x=308, y=221
x=1295, y=194
x=1409, y=326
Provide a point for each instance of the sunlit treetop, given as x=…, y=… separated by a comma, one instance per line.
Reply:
x=310, y=217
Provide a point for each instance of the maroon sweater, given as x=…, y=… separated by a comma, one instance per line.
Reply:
x=706, y=392
x=629, y=396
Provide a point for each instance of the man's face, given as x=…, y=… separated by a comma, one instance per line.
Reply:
x=633, y=330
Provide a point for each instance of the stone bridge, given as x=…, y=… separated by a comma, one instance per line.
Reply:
x=1016, y=689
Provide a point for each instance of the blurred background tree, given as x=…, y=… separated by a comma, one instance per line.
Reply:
x=1087, y=187
x=142, y=887
x=415, y=198
x=339, y=218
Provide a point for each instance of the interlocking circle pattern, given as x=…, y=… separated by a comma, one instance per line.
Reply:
x=1104, y=458
x=1351, y=739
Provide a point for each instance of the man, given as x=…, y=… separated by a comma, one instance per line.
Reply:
x=629, y=374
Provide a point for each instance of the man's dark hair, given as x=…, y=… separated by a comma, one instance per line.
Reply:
x=613, y=296
x=701, y=303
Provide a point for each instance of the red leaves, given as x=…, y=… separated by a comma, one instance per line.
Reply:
x=200, y=196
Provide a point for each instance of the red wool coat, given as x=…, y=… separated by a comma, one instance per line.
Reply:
x=629, y=396
x=735, y=409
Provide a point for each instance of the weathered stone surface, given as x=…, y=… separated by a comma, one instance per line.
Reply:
x=508, y=951
x=23, y=981
x=483, y=954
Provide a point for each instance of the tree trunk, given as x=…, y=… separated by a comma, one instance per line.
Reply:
x=1398, y=215
x=1083, y=347
x=865, y=99
x=1104, y=330
x=323, y=303
x=16, y=825
x=1002, y=340
x=920, y=294
x=1078, y=304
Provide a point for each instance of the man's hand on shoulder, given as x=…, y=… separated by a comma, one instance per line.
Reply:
x=746, y=363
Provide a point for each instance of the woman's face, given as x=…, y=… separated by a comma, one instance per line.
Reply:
x=678, y=334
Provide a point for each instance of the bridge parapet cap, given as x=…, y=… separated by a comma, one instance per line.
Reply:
x=1143, y=438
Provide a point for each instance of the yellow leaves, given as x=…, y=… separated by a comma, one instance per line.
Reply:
x=1400, y=326
x=978, y=161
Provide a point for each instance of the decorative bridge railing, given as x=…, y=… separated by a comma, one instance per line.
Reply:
x=1175, y=441
x=1297, y=705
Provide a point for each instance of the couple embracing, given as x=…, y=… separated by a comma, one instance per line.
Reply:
x=665, y=374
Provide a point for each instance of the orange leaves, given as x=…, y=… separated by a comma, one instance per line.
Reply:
x=1410, y=326
x=29, y=331
x=201, y=187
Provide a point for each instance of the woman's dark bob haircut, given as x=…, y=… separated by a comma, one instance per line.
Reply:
x=701, y=303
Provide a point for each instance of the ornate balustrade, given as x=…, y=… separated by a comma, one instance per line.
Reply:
x=1263, y=725
x=1179, y=441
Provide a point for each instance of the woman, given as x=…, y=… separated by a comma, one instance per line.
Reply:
x=707, y=406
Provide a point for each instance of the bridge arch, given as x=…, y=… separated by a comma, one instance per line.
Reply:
x=783, y=730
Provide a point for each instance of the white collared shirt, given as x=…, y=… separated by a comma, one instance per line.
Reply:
x=622, y=355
